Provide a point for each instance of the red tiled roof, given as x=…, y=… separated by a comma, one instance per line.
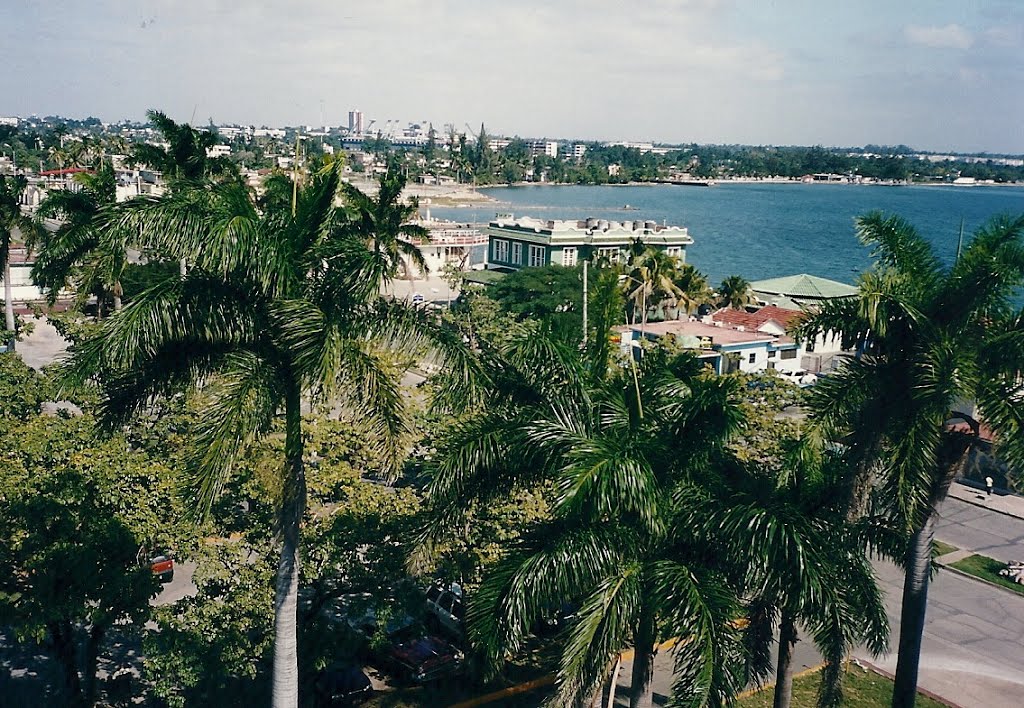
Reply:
x=755, y=320
x=720, y=335
x=65, y=171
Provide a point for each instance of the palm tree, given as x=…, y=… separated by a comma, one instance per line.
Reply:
x=735, y=292
x=929, y=338
x=276, y=306
x=614, y=454
x=184, y=161
x=79, y=246
x=11, y=219
x=650, y=280
x=384, y=220
x=693, y=287
x=803, y=562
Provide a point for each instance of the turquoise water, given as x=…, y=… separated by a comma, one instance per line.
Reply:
x=765, y=230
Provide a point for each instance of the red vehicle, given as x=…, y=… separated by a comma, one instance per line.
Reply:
x=162, y=565
x=424, y=659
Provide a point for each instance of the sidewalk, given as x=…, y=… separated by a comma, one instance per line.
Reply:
x=1001, y=501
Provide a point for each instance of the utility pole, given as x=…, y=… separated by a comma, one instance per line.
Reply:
x=585, y=303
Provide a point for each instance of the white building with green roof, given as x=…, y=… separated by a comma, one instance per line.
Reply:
x=799, y=291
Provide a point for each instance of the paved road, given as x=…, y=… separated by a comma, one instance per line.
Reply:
x=974, y=633
x=974, y=528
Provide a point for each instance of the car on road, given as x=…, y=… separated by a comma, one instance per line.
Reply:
x=422, y=659
x=160, y=563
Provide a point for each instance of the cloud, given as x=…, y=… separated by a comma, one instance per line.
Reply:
x=951, y=36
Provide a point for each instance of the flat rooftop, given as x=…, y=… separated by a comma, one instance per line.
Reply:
x=590, y=226
x=686, y=328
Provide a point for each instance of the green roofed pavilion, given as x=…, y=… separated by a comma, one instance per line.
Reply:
x=801, y=289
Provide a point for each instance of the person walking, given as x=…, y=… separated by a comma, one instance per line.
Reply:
x=988, y=485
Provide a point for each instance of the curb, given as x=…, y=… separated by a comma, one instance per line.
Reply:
x=981, y=580
x=923, y=691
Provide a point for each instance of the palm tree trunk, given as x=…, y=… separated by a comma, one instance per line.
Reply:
x=286, y=663
x=641, y=691
x=784, y=670
x=915, y=600
x=118, y=292
x=8, y=299
x=613, y=682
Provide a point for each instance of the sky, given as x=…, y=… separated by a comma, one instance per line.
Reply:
x=933, y=74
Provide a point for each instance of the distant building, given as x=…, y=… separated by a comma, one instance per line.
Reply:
x=525, y=242
x=355, y=121
x=543, y=147
x=578, y=151
x=218, y=151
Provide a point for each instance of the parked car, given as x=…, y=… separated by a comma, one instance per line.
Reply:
x=799, y=377
x=425, y=658
x=555, y=620
x=446, y=609
x=341, y=685
x=162, y=566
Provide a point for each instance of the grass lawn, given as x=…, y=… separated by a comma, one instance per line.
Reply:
x=862, y=688
x=942, y=549
x=987, y=569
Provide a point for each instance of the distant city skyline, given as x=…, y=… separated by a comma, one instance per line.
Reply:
x=934, y=76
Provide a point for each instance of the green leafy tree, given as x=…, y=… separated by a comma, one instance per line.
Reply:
x=277, y=305
x=551, y=294
x=76, y=516
x=929, y=338
x=614, y=454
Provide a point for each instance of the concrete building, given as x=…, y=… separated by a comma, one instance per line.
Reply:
x=355, y=121
x=526, y=242
x=724, y=349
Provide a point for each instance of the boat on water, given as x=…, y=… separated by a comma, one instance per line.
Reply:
x=629, y=207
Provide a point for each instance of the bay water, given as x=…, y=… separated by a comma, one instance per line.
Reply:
x=764, y=230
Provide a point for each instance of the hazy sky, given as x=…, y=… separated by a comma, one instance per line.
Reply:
x=928, y=73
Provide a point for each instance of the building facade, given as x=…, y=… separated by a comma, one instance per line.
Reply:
x=527, y=243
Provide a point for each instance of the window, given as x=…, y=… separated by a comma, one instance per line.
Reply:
x=500, y=249
x=809, y=346
x=569, y=256
x=771, y=354
x=674, y=251
x=789, y=353
x=752, y=359
x=517, y=252
x=611, y=254
x=536, y=256
x=771, y=364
